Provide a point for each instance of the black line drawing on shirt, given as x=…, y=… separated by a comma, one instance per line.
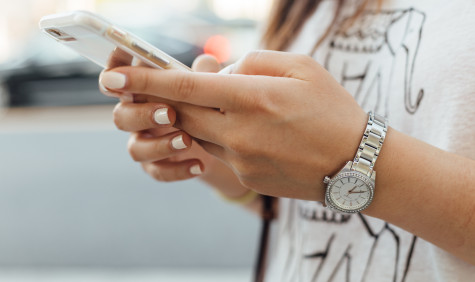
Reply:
x=346, y=258
x=323, y=255
x=400, y=256
x=397, y=242
x=379, y=37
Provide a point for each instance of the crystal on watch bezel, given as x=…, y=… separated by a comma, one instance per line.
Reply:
x=355, y=174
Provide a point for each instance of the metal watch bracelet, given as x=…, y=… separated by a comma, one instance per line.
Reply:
x=370, y=145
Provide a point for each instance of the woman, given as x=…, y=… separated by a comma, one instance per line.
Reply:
x=279, y=123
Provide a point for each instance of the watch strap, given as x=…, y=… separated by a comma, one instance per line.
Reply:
x=371, y=144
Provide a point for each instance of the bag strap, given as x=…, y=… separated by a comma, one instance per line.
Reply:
x=267, y=216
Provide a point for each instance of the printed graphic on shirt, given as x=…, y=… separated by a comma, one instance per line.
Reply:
x=362, y=57
x=349, y=247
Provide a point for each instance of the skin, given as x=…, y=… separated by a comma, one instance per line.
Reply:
x=280, y=123
x=163, y=162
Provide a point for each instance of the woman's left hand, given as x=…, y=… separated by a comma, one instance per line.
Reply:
x=279, y=120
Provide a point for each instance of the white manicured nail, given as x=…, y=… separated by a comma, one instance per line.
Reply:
x=196, y=170
x=107, y=92
x=113, y=80
x=161, y=116
x=178, y=143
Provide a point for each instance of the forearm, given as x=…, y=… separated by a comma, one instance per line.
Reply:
x=428, y=192
x=222, y=179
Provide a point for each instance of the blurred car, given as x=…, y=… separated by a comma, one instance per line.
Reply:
x=49, y=74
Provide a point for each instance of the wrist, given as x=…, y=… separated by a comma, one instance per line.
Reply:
x=352, y=189
x=244, y=199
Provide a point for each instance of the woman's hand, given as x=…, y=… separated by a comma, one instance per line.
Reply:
x=282, y=123
x=279, y=120
x=165, y=153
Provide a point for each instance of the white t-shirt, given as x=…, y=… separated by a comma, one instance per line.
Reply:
x=413, y=61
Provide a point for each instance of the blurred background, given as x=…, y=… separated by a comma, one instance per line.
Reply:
x=73, y=205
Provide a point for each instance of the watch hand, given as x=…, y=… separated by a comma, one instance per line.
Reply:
x=357, y=192
x=351, y=191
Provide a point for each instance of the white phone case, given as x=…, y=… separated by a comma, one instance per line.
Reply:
x=97, y=39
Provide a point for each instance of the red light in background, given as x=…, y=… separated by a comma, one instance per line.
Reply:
x=219, y=47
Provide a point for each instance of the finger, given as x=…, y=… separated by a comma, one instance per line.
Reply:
x=108, y=92
x=202, y=122
x=140, y=63
x=136, y=117
x=206, y=63
x=203, y=63
x=124, y=96
x=145, y=149
x=173, y=171
x=272, y=63
x=141, y=98
x=144, y=98
x=157, y=132
x=203, y=89
x=118, y=58
x=213, y=149
x=129, y=60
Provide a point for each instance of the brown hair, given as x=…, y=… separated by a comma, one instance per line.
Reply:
x=288, y=16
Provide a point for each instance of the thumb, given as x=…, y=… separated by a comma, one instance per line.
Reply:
x=206, y=63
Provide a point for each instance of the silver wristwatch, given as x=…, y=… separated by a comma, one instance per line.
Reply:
x=351, y=190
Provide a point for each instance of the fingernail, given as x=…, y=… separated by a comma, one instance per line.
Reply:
x=127, y=97
x=178, y=143
x=196, y=169
x=112, y=80
x=107, y=92
x=161, y=116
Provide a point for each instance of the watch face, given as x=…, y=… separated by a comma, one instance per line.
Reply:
x=350, y=192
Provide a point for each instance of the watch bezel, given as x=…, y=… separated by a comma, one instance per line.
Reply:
x=367, y=180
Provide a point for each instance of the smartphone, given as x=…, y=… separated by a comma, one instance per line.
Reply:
x=102, y=42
